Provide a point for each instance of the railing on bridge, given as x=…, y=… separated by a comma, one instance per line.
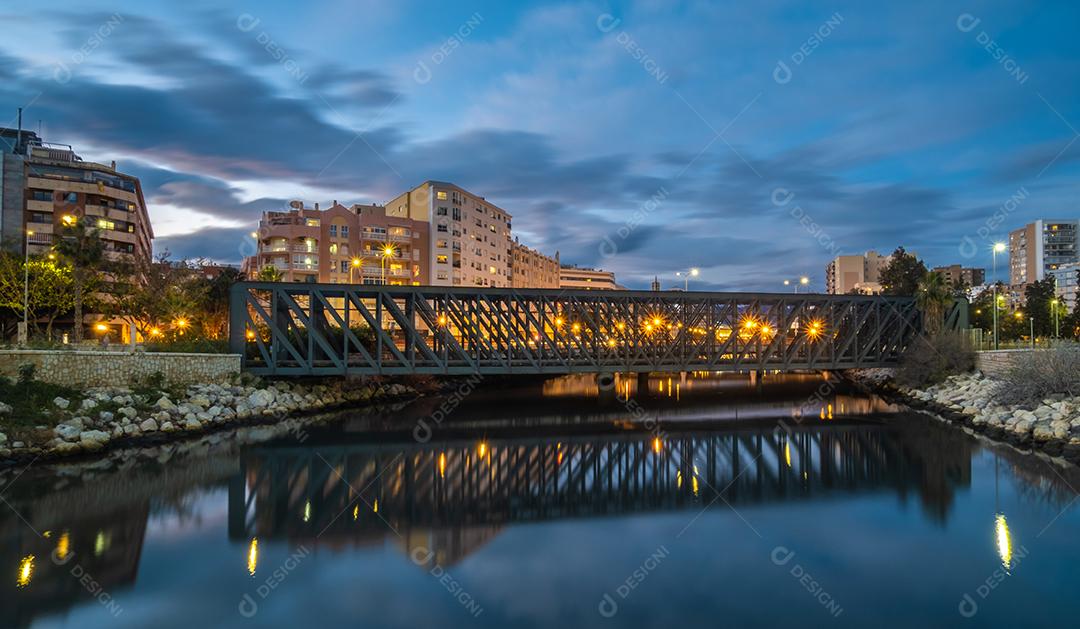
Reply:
x=335, y=329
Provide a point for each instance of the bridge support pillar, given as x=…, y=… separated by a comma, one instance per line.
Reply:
x=605, y=387
x=643, y=383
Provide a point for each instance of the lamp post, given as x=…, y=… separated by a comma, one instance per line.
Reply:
x=353, y=265
x=1032, y=320
x=387, y=251
x=999, y=247
x=805, y=281
x=1057, y=327
x=686, y=277
x=26, y=290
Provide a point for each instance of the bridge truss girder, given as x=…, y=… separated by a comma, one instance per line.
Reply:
x=339, y=329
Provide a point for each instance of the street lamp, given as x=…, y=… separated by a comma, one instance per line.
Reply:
x=999, y=247
x=1057, y=327
x=387, y=251
x=26, y=289
x=686, y=277
x=805, y=281
x=355, y=264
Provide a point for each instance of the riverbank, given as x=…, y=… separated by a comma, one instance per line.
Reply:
x=99, y=419
x=1051, y=427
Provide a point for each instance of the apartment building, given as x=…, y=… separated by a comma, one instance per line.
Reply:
x=1066, y=282
x=470, y=242
x=1038, y=248
x=955, y=274
x=340, y=245
x=856, y=273
x=531, y=269
x=576, y=277
x=48, y=185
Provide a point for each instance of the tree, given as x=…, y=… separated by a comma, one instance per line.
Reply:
x=215, y=310
x=269, y=273
x=1038, y=296
x=48, y=288
x=901, y=276
x=80, y=246
x=159, y=296
x=932, y=296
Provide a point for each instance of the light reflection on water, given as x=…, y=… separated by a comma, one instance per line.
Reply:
x=895, y=516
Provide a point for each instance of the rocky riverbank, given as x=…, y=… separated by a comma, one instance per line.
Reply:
x=1053, y=426
x=107, y=418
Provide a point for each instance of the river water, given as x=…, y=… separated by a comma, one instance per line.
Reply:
x=706, y=501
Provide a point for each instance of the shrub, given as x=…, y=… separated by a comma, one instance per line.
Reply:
x=932, y=359
x=1038, y=374
x=26, y=373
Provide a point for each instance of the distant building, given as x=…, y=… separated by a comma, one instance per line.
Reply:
x=470, y=241
x=46, y=185
x=531, y=269
x=339, y=245
x=1038, y=248
x=954, y=273
x=575, y=277
x=855, y=273
x=1066, y=278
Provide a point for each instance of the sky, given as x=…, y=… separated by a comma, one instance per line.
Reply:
x=754, y=141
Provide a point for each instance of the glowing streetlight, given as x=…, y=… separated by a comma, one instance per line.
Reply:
x=686, y=275
x=999, y=247
x=387, y=252
x=353, y=265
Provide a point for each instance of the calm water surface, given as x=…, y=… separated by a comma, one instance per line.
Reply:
x=705, y=502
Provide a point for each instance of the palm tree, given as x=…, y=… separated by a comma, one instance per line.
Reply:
x=269, y=273
x=81, y=247
x=932, y=296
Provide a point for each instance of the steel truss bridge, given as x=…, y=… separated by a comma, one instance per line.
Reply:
x=358, y=490
x=339, y=329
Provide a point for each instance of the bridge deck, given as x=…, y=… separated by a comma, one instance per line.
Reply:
x=338, y=329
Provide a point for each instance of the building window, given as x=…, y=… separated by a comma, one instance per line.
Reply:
x=440, y=212
x=441, y=243
x=333, y=231
x=456, y=214
x=333, y=248
x=440, y=195
x=105, y=224
x=441, y=259
x=442, y=275
x=344, y=266
x=312, y=222
x=441, y=228
x=344, y=231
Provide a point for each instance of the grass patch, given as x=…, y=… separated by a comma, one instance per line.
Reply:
x=32, y=404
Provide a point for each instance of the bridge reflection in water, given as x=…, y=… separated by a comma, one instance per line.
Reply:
x=451, y=497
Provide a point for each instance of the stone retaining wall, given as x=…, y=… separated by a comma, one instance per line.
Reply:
x=996, y=362
x=119, y=368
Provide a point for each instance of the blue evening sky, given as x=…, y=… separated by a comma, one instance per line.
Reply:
x=753, y=140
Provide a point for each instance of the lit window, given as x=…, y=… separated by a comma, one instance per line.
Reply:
x=441, y=259
x=312, y=222
x=333, y=248
x=440, y=195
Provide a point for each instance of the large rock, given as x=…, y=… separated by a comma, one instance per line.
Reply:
x=148, y=426
x=91, y=439
x=165, y=403
x=61, y=402
x=199, y=400
x=5, y=409
x=128, y=412
x=261, y=398
x=67, y=432
x=88, y=404
x=192, y=424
